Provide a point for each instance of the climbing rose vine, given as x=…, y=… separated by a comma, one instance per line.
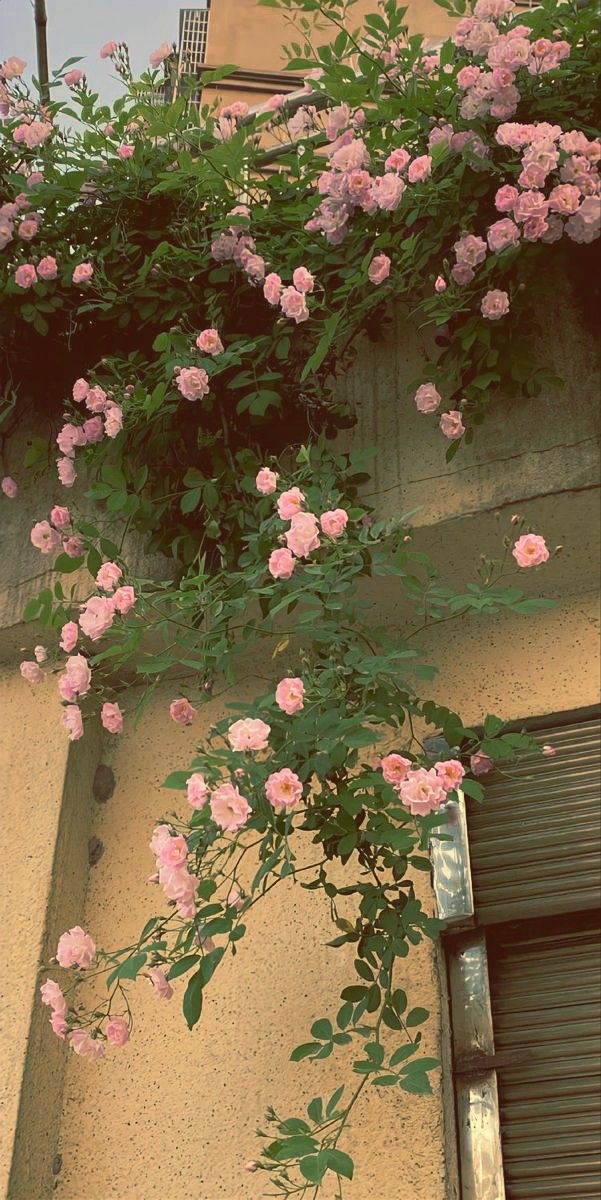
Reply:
x=189, y=284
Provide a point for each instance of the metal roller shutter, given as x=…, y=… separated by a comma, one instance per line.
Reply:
x=534, y=843
x=546, y=1009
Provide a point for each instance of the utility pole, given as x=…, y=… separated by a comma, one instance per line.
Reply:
x=41, y=21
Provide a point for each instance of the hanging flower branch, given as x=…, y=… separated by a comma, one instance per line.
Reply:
x=195, y=283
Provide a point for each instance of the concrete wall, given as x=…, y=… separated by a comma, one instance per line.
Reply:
x=174, y=1114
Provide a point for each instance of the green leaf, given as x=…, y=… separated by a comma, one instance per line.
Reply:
x=304, y=1051
x=190, y=500
x=176, y=780
x=340, y=1162
x=313, y=1168
x=66, y=565
x=322, y=1029
x=182, y=965
x=315, y=1110
x=192, y=1002
x=416, y=1016
x=129, y=969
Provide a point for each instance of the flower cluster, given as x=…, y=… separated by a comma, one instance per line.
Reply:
x=76, y=949
x=422, y=790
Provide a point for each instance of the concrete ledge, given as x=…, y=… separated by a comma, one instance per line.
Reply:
x=47, y=821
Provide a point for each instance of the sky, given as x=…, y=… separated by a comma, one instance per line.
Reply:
x=81, y=27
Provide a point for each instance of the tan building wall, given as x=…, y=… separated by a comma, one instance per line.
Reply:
x=247, y=35
x=173, y=1115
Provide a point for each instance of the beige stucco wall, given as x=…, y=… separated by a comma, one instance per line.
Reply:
x=174, y=1114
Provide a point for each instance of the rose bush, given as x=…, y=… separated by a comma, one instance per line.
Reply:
x=208, y=303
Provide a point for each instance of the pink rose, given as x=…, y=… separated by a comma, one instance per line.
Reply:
x=480, y=764
x=470, y=250
x=192, y=382
x=173, y=853
x=197, y=790
x=283, y=789
x=69, y=437
x=47, y=268
x=334, y=522
x=28, y=229
x=124, y=599
x=422, y=792
x=73, y=77
x=289, y=695
x=52, y=996
x=451, y=424
x=254, y=266
x=9, y=487
x=97, y=616
x=530, y=204
x=158, y=979
x=303, y=280
x=44, y=538
x=462, y=274
x=75, y=949
x=564, y=199
x=272, y=288
x=440, y=284
x=420, y=169
x=302, y=536
x=66, y=472
x=181, y=711
x=111, y=717
x=81, y=388
x=502, y=234
x=108, y=576
x=81, y=1042
x=69, y=635
x=60, y=516
x=467, y=77
x=209, y=342
x=108, y=49
x=427, y=398
x=160, y=834
x=379, y=269
x=294, y=305
x=25, y=275
x=159, y=56
x=78, y=674
x=12, y=67
x=397, y=160
x=40, y=654
x=495, y=304
x=113, y=420
x=58, y=1023
x=549, y=751
x=96, y=399
x=229, y=809
x=94, y=430
x=289, y=503
x=450, y=773
x=31, y=672
x=73, y=547
x=235, y=900
x=266, y=481
x=124, y=151
x=281, y=564
x=83, y=273
x=387, y=191
x=117, y=1031
x=395, y=769
x=248, y=734
x=530, y=550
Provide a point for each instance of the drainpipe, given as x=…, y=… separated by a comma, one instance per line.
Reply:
x=41, y=21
